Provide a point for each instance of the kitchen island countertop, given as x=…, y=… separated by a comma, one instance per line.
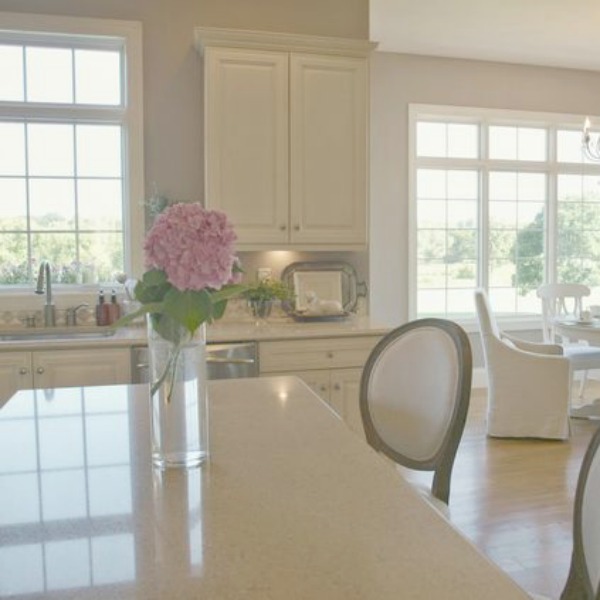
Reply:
x=291, y=505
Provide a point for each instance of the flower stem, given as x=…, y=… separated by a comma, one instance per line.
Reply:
x=170, y=371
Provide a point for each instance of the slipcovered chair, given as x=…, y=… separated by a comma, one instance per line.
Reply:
x=414, y=397
x=528, y=383
x=565, y=300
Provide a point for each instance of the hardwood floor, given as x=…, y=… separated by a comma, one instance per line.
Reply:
x=514, y=498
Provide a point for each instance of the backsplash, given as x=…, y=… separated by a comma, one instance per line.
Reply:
x=237, y=312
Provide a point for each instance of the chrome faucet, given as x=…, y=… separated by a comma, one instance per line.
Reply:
x=49, y=313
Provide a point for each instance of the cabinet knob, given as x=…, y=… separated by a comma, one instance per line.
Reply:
x=330, y=355
x=296, y=227
x=282, y=227
x=323, y=388
x=23, y=371
x=337, y=386
x=39, y=370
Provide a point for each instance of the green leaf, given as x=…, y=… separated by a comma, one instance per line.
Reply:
x=154, y=277
x=218, y=309
x=228, y=291
x=190, y=308
x=155, y=307
x=153, y=287
x=169, y=329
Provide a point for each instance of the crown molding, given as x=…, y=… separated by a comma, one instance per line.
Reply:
x=288, y=42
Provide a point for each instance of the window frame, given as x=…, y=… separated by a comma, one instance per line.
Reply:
x=551, y=167
x=96, y=33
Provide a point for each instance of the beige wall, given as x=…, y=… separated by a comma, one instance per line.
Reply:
x=398, y=80
x=172, y=78
x=172, y=69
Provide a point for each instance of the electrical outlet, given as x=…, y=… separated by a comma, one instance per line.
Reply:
x=263, y=273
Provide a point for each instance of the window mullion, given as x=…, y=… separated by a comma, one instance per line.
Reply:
x=551, y=233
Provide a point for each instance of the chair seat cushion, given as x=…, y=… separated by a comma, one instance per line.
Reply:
x=582, y=356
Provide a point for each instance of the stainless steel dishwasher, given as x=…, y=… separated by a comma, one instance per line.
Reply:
x=223, y=361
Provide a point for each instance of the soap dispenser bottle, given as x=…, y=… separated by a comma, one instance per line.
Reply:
x=114, y=311
x=101, y=313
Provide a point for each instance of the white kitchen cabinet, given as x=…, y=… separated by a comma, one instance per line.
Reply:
x=340, y=388
x=15, y=373
x=247, y=142
x=286, y=138
x=332, y=367
x=63, y=368
x=328, y=164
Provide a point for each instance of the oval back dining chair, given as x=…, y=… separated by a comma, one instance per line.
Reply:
x=583, y=582
x=414, y=397
x=565, y=300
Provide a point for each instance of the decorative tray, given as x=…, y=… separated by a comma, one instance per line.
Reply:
x=298, y=316
x=330, y=281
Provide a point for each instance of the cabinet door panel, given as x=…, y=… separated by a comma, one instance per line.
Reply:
x=345, y=392
x=68, y=368
x=317, y=381
x=328, y=144
x=247, y=141
x=15, y=373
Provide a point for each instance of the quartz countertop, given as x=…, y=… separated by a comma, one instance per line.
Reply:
x=291, y=505
x=226, y=331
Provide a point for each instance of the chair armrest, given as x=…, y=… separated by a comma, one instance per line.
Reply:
x=535, y=347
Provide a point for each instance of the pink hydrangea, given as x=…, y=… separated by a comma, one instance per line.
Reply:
x=193, y=246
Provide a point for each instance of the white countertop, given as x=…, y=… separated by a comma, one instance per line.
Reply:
x=226, y=331
x=290, y=506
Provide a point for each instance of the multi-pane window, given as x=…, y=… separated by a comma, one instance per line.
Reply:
x=500, y=201
x=65, y=157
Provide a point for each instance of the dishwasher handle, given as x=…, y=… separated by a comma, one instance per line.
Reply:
x=214, y=359
x=230, y=361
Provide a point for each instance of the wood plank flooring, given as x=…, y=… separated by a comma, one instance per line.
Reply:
x=514, y=498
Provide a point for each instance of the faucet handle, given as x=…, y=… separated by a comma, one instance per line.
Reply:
x=72, y=313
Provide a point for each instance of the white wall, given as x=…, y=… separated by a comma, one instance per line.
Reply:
x=398, y=80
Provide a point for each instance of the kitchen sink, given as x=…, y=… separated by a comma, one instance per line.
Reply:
x=55, y=333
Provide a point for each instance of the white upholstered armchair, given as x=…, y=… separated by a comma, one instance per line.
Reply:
x=528, y=383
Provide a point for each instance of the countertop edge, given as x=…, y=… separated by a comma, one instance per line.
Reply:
x=217, y=333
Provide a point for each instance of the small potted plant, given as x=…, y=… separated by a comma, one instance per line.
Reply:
x=262, y=294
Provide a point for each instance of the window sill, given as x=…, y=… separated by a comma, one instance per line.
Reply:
x=508, y=323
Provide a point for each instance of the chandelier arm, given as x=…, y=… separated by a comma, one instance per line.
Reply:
x=591, y=149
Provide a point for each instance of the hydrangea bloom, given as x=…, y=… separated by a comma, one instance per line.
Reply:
x=193, y=246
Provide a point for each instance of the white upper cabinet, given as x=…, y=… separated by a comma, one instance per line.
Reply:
x=286, y=137
x=328, y=164
x=247, y=141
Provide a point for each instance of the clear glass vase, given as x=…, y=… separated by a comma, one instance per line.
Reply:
x=178, y=395
x=260, y=310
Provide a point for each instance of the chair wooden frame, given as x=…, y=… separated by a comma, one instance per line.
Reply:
x=579, y=585
x=442, y=461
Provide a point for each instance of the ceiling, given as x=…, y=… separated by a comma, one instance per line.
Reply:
x=559, y=33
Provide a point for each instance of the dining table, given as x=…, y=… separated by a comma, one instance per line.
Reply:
x=577, y=330
x=290, y=505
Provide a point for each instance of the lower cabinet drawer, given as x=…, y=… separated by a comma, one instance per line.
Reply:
x=330, y=353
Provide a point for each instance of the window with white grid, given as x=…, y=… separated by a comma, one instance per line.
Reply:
x=70, y=150
x=500, y=200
